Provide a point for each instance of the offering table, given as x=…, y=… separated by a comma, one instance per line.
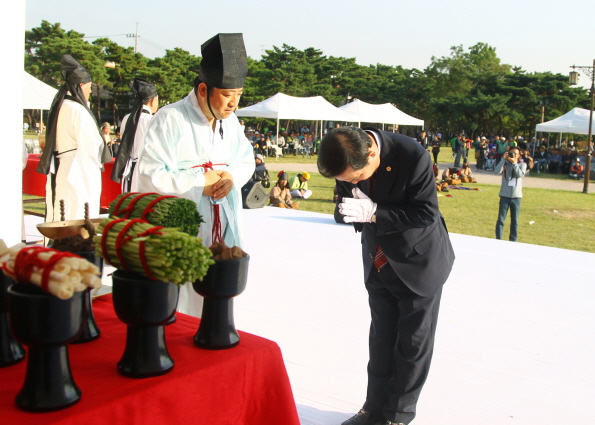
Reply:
x=245, y=385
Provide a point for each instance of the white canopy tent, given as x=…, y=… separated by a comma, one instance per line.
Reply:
x=282, y=106
x=383, y=114
x=37, y=94
x=575, y=121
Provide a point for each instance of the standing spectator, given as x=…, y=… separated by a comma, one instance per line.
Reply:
x=481, y=154
x=106, y=130
x=298, y=186
x=501, y=147
x=458, y=150
x=424, y=140
x=74, y=148
x=116, y=143
x=453, y=144
x=436, y=148
x=511, y=192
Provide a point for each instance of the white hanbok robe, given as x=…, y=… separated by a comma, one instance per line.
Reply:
x=79, y=146
x=137, y=147
x=180, y=139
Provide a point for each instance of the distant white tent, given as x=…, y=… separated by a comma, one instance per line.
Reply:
x=384, y=114
x=575, y=121
x=282, y=106
x=37, y=94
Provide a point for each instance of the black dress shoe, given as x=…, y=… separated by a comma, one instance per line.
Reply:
x=365, y=418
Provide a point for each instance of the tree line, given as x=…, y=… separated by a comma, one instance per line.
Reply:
x=468, y=91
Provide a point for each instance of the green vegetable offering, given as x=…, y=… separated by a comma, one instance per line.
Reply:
x=160, y=253
x=161, y=210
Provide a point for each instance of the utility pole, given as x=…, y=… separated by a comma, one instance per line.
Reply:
x=573, y=79
x=135, y=39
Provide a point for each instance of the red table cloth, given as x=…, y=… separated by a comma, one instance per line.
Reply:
x=244, y=385
x=34, y=182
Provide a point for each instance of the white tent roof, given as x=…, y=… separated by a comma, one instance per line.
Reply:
x=282, y=106
x=385, y=113
x=576, y=121
x=36, y=94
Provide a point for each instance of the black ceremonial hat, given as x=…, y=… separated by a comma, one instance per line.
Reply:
x=224, y=63
x=72, y=71
x=143, y=90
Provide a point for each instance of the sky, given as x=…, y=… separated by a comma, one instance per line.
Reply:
x=537, y=35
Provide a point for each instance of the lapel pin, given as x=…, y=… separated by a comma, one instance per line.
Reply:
x=388, y=168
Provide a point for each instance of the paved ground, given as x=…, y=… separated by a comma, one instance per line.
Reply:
x=487, y=177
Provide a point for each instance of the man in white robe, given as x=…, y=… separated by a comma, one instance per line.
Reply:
x=146, y=103
x=72, y=154
x=196, y=149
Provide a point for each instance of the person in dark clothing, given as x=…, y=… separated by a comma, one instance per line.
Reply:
x=435, y=148
x=261, y=174
x=387, y=190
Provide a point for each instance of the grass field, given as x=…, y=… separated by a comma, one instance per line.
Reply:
x=561, y=219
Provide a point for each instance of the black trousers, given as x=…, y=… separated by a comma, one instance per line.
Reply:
x=401, y=345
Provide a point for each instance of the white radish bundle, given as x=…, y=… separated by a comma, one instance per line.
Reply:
x=58, y=273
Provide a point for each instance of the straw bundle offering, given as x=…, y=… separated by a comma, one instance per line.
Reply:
x=58, y=273
x=160, y=210
x=160, y=253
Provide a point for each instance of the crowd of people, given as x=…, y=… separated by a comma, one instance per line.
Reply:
x=302, y=142
x=489, y=152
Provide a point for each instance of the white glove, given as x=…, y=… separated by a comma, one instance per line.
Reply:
x=359, y=209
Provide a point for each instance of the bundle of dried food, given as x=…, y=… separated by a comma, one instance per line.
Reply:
x=159, y=253
x=223, y=252
x=160, y=210
x=58, y=273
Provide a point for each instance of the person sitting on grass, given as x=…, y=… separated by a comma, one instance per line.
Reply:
x=450, y=174
x=298, y=186
x=466, y=174
x=577, y=171
x=280, y=196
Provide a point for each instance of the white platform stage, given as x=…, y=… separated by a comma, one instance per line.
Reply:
x=515, y=340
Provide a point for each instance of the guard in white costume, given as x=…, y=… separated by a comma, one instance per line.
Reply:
x=135, y=125
x=196, y=149
x=74, y=147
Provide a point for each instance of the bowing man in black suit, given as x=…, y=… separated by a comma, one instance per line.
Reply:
x=386, y=188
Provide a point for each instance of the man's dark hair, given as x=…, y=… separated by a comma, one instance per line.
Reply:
x=343, y=147
x=197, y=82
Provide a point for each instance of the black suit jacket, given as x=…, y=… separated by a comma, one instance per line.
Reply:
x=409, y=226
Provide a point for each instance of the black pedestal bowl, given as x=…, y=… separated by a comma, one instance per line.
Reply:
x=11, y=352
x=224, y=280
x=145, y=306
x=46, y=325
